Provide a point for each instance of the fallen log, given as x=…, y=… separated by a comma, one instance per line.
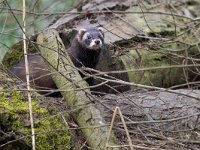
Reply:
x=170, y=117
x=74, y=90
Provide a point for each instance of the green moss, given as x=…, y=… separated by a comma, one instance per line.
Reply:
x=16, y=53
x=51, y=131
x=158, y=25
x=165, y=77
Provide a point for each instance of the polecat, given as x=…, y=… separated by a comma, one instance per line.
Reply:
x=84, y=51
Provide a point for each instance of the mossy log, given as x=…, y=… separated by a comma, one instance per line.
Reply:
x=158, y=69
x=74, y=90
x=15, y=132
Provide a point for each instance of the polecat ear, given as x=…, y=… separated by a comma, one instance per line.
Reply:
x=81, y=32
x=101, y=30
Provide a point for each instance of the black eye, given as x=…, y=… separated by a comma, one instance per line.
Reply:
x=89, y=37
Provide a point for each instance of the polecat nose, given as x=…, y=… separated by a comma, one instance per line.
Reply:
x=97, y=42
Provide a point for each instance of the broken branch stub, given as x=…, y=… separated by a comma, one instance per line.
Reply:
x=74, y=89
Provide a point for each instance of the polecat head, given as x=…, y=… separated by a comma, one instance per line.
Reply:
x=91, y=38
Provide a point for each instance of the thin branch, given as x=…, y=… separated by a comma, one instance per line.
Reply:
x=27, y=76
x=108, y=12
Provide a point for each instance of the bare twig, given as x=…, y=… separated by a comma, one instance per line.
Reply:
x=27, y=76
x=117, y=110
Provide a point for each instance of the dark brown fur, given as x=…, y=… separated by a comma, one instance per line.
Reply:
x=40, y=76
x=81, y=56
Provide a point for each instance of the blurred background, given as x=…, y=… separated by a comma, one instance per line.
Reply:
x=10, y=18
